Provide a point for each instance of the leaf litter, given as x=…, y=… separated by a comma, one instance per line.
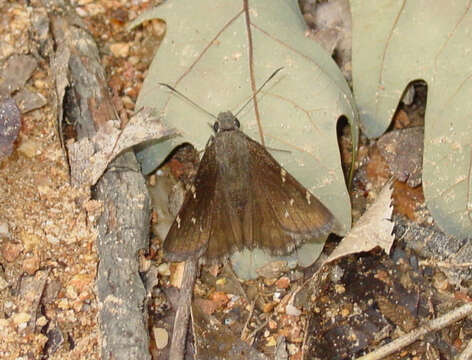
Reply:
x=282, y=300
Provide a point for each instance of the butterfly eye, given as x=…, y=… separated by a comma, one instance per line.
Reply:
x=216, y=126
x=236, y=123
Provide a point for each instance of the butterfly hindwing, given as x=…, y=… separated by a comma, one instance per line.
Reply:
x=190, y=231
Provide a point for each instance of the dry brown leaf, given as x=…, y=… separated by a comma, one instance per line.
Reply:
x=374, y=229
x=89, y=157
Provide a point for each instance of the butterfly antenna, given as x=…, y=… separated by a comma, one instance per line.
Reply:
x=188, y=99
x=258, y=90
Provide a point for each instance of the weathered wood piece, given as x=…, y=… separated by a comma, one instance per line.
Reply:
x=124, y=223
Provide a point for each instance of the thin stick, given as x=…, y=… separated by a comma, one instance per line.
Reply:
x=445, y=264
x=253, y=334
x=179, y=334
x=305, y=336
x=246, y=325
x=433, y=325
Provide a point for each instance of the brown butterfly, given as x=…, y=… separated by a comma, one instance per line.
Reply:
x=242, y=198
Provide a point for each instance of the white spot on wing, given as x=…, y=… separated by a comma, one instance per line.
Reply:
x=282, y=174
x=308, y=197
x=286, y=214
x=194, y=221
x=292, y=202
x=177, y=219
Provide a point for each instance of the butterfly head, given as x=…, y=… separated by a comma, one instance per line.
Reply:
x=226, y=121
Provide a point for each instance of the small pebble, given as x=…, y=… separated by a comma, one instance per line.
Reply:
x=271, y=341
x=292, y=349
x=340, y=289
x=292, y=310
x=42, y=321
x=268, y=307
x=163, y=269
x=20, y=318
x=10, y=251
x=81, y=12
x=277, y=296
x=283, y=282
x=4, y=231
x=219, y=297
x=221, y=281
x=31, y=264
x=52, y=239
x=120, y=49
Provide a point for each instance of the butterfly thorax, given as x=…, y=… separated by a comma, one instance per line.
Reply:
x=226, y=121
x=232, y=157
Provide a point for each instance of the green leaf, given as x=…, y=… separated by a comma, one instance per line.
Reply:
x=396, y=42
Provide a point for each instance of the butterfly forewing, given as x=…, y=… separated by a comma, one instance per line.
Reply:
x=295, y=213
x=190, y=231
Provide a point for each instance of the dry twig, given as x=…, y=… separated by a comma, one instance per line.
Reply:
x=433, y=325
x=305, y=335
x=179, y=334
x=251, y=336
x=246, y=325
